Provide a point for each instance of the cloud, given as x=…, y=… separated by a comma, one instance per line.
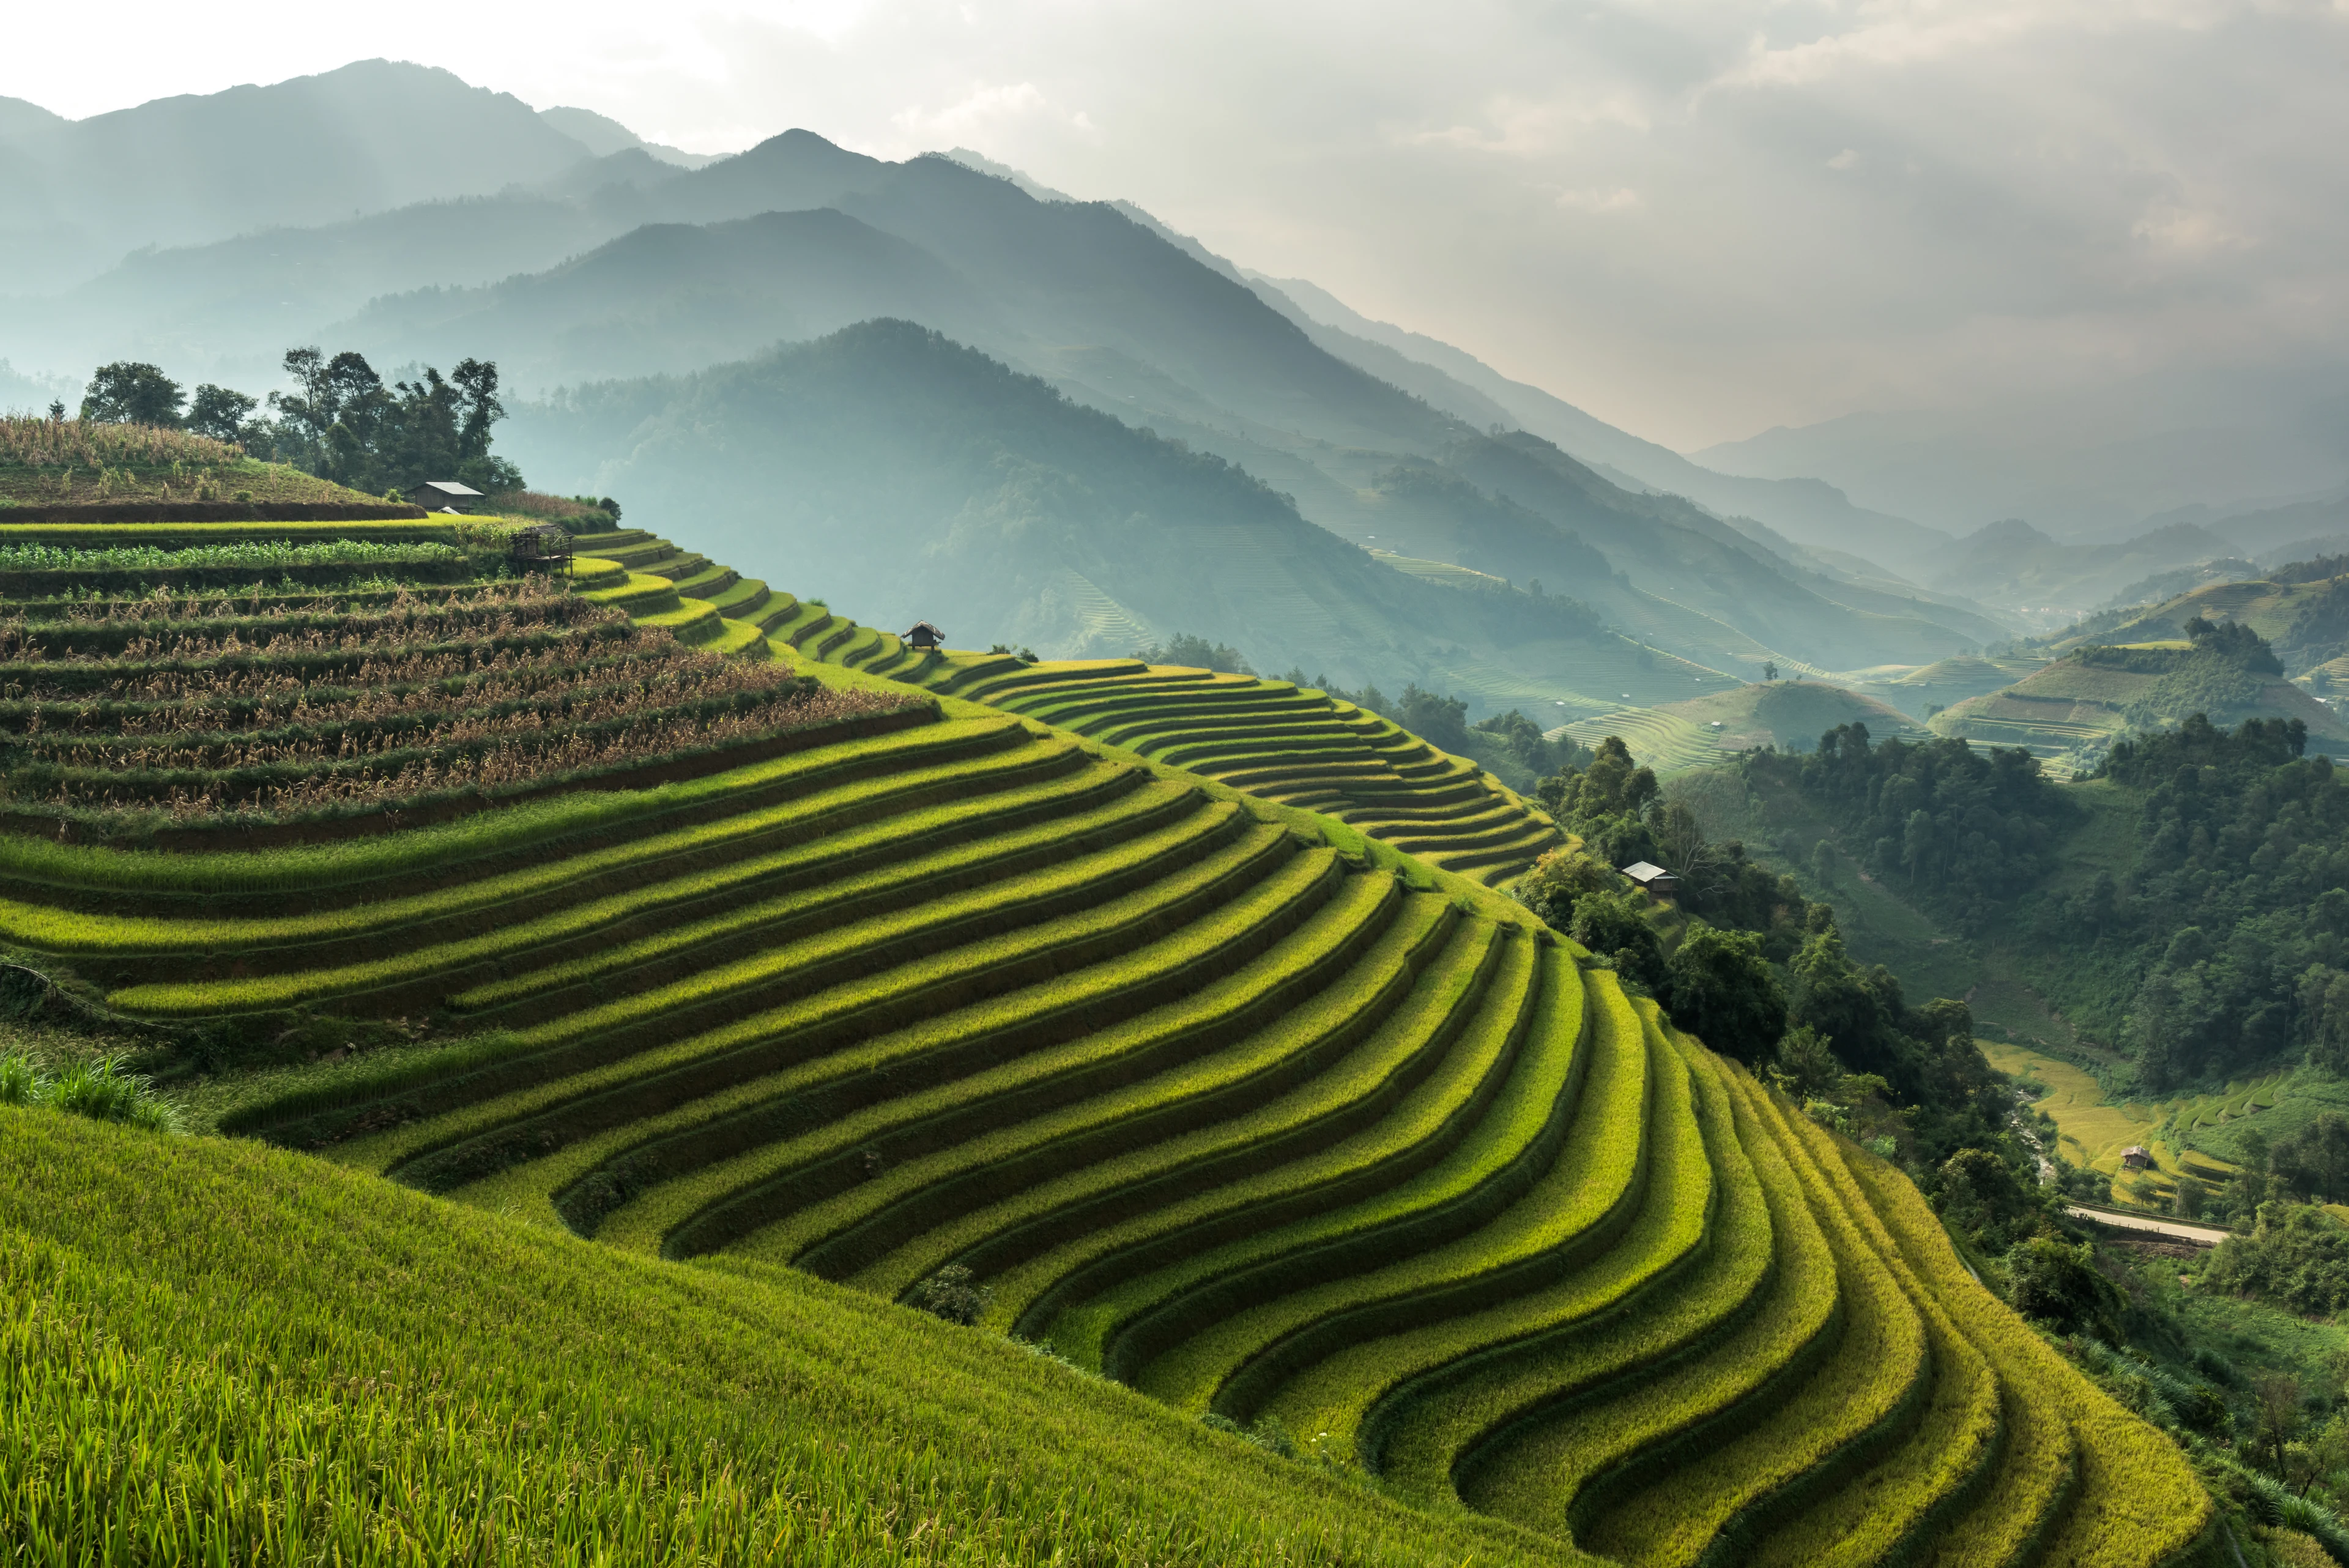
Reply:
x=986, y=111
x=1620, y=199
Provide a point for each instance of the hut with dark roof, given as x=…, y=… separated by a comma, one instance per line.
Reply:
x=925, y=636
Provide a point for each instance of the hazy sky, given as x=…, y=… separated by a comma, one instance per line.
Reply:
x=1694, y=219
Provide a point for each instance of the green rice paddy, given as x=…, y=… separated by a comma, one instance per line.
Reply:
x=1172, y=1006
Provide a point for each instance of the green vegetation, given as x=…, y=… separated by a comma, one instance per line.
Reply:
x=1012, y=999
x=1275, y=738
x=386, y=1379
x=343, y=423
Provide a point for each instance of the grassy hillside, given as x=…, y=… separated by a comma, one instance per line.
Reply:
x=79, y=462
x=1945, y=682
x=1210, y=1093
x=381, y=1378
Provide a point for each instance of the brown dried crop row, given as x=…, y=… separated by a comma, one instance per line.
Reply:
x=507, y=761
x=285, y=681
x=376, y=725
x=485, y=614
x=356, y=743
x=245, y=699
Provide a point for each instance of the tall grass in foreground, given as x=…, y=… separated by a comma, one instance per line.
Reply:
x=102, y=1090
x=213, y=1352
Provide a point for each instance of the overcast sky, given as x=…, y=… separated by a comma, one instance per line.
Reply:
x=1695, y=219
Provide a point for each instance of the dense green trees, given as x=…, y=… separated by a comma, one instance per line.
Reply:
x=2297, y=1256
x=341, y=422
x=1761, y=972
x=345, y=424
x=1964, y=831
x=2233, y=925
x=220, y=413
x=2216, y=941
x=1722, y=990
x=126, y=392
x=1521, y=738
x=1195, y=652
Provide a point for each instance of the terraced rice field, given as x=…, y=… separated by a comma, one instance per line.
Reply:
x=1274, y=740
x=1207, y=1097
x=2092, y=1133
x=1664, y=742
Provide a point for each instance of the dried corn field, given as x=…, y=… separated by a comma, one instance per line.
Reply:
x=188, y=709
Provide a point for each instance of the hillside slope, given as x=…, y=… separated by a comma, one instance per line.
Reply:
x=1210, y=1093
x=1806, y=510
x=2068, y=712
x=917, y=479
x=1790, y=715
x=461, y=1387
x=833, y=458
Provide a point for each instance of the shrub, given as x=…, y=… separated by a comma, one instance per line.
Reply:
x=2061, y=1286
x=952, y=1294
x=1723, y=992
x=1614, y=924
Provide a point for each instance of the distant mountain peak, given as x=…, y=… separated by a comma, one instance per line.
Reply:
x=980, y=164
x=603, y=136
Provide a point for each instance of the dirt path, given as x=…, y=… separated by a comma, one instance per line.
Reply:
x=2200, y=1235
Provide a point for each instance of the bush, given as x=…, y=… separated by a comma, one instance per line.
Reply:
x=1615, y=926
x=1724, y=992
x=2061, y=1286
x=952, y=1294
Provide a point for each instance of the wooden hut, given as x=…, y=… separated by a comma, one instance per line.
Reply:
x=541, y=545
x=924, y=638
x=446, y=495
x=1651, y=879
x=2135, y=1158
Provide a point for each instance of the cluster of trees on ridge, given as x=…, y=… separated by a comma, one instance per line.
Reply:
x=343, y=422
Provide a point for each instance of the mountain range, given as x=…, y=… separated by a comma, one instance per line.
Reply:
x=598, y=269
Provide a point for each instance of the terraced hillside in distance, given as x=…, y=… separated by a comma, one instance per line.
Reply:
x=1697, y=733
x=1273, y=739
x=1922, y=691
x=1276, y=740
x=2068, y=712
x=1209, y=1093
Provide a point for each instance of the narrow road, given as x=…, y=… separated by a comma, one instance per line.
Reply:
x=2178, y=1231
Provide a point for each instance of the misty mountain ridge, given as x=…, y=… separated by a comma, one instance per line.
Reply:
x=370, y=136
x=623, y=265
x=913, y=477
x=603, y=136
x=2082, y=466
x=1124, y=320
